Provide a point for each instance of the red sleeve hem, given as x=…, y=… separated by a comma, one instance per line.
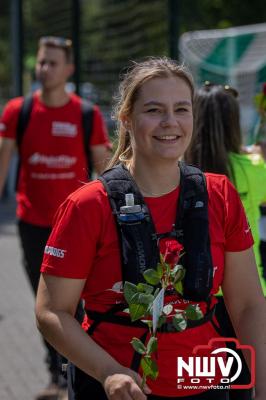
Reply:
x=46, y=269
x=246, y=246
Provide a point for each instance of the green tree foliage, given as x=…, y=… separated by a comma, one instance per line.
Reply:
x=211, y=14
x=5, y=41
x=115, y=31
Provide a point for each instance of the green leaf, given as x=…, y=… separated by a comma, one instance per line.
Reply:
x=146, y=298
x=137, y=311
x=168, y=309
x=156, y=292
x=152, y=345
x=177, y=273
x=149, y=309
x=162, y=259
x=129, y=291
x=193, y=312
x=160, y=270
x=179, y=322
x=138, y=346
x=149, y=367
x=151, y=276
x=135, y=299
x=179, y=287
x=175, y=269
x=144, y=288
x=162, y=319
x=142, y=298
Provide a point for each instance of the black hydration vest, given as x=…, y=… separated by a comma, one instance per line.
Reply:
x=140, y=249
x=139, y=240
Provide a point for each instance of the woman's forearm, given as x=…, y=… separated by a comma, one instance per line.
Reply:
x=250, y=330
x=64, y=333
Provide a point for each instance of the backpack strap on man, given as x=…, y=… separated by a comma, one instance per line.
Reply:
x=23, y=118
x=23, y=121
x=87, y=112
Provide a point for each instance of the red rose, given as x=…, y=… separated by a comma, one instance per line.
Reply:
x=264, y=89
x=171, y=250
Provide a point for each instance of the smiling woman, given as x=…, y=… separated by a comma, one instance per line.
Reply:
x=160, y=125
x=117, y=231
x=157, y=125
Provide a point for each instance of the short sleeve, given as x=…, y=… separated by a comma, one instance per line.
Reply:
x=99, y=133
x=71, y=247
x=238, y=236
x=9, y=118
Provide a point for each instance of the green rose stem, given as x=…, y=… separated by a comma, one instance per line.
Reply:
x=140, y=299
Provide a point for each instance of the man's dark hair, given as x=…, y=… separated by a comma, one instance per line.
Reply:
x=58, y=43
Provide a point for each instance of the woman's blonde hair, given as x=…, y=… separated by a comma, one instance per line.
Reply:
x=137, y=74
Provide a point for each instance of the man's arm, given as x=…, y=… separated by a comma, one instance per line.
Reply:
x=101, y=155
x=7, y=147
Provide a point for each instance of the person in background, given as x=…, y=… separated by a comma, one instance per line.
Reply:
x=260, y=146
x=53, y=160
x=154, y=111
x=217, y=147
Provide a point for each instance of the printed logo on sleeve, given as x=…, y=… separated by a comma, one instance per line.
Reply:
x=248, y=228
x=53, y=251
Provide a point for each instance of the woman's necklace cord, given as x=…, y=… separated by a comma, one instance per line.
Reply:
x=152, y=194
x=147, y=193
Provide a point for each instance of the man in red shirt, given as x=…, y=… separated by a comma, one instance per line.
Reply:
x=52, y=156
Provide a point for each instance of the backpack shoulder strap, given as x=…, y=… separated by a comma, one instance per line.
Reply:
x=193, y=190
x=23, y=118
x=87, y=113
x=192, y=218
x=138, y=240
x=117, y=182
x=23, y=121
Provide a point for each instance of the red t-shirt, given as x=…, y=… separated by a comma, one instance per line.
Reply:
x=53, y=160
x=84, y=245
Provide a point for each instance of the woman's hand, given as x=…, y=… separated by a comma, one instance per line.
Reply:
x=125, y=386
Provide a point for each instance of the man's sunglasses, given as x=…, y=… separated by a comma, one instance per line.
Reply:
x=55, y=41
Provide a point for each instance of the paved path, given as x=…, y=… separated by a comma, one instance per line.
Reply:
x=22, y=369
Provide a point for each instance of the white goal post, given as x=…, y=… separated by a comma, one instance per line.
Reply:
x=234, y=56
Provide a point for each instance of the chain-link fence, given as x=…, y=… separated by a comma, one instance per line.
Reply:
x=106, y=34
x=5, y=54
